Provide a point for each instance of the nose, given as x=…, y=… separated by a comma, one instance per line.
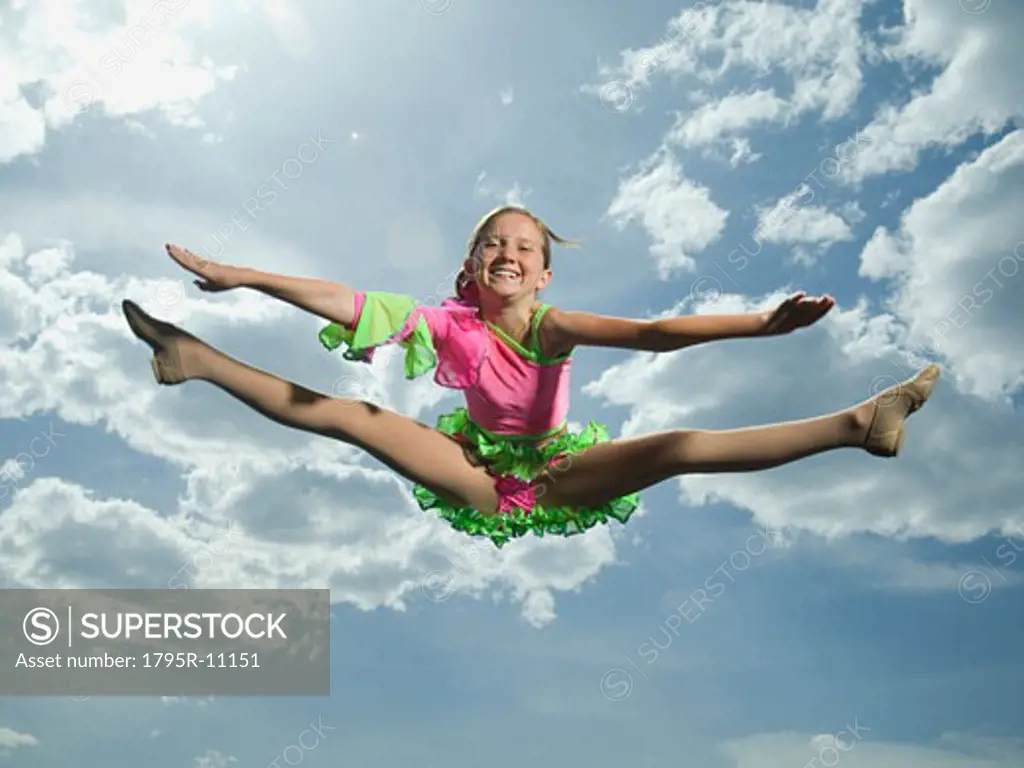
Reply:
x=503, y=254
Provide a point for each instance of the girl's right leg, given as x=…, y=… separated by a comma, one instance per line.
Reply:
x=412, y=449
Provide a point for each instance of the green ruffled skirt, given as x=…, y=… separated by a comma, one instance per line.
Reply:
x=507, y=458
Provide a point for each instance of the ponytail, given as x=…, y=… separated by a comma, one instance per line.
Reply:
x=465, y=288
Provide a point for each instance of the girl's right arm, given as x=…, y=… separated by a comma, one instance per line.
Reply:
x=335, y=302
x=332, y=301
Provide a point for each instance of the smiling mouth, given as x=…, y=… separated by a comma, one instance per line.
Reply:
x=506, y=274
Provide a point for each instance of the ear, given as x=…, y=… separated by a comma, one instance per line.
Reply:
x=544, y=279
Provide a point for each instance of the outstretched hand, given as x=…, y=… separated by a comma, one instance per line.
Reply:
x=798, y=311
x=212, y=275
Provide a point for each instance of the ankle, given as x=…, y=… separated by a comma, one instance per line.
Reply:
x=857, y=422
x=199, y=360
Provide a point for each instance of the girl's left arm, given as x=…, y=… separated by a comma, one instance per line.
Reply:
x=566, y=330
x=577, y=329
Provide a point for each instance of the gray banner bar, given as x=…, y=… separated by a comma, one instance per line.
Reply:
x=165, y=642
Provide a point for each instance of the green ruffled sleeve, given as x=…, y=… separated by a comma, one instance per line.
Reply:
x=383, y=317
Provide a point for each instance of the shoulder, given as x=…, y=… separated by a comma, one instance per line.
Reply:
x=556, y=329
x=563, y=330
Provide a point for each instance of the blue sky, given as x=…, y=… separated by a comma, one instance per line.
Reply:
x=711, y=162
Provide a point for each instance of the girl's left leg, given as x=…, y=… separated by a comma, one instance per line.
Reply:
x=616, y=468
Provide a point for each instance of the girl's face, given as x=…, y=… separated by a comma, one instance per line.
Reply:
x=510, y=259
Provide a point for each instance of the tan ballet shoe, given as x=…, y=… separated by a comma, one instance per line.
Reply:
x=892, y=407
x=164, y=339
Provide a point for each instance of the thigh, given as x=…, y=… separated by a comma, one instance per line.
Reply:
x=418, y=452
x=608, y=470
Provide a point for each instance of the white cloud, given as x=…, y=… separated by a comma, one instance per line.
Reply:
x=170, y=701
x=497, y=193
x=677, y=213
x=213, y=758
x=507, y=96
x=742, y=153
x=732, y=114
x=22, y=128
x=124, y=67
x=516, y=195
x=852, y=212
x=124, y=61
x=817, y=48
x=10, y=740
x=956, y=263
x=977, y=91
x=789, y=223
x=353, y=530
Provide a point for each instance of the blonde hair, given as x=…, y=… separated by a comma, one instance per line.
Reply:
x=481, y=230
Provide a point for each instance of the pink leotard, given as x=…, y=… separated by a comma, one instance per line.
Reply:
x=510, y=390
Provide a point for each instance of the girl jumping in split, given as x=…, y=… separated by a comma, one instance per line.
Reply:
x=507, y=464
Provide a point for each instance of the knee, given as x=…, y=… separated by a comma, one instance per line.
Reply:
x=345, y=418
x=343, y=404
x=351, y=411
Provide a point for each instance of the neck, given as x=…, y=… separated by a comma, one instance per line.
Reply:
x=511, y=315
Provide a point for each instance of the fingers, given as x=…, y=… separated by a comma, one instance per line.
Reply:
x=801, y=302
x=798, y=311
x=801, y=298
x=208, y=286
x=182, y=255
x=816, y=309
x=185, y=258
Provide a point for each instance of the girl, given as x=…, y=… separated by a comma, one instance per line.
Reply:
x=507, y=464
